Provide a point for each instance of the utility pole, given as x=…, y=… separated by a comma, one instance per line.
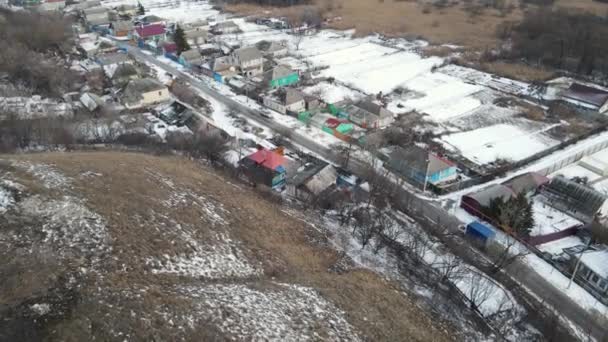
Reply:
x=578, y=263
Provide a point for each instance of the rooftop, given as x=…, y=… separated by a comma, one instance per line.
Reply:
x=269, y=159
x=593, y=96
x=597, y=261
x=248, y=53
x=150, y=30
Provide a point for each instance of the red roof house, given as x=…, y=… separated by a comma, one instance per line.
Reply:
x=150, y=31
x=269, y=159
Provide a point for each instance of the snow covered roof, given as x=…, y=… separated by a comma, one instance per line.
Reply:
x=527, y=182
x=192, y=34
x=484, y=196
x=191, y=55
x=597, y=261
x=247, y=54
x=134, y=90
x=578, y=196
x=113, y=58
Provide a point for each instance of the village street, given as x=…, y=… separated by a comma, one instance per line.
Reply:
x=431, y=215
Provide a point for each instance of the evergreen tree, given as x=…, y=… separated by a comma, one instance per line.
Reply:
x=140, y=9
x=179, y=37
x=514, y=214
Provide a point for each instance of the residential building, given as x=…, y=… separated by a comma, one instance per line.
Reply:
x=176, y=114
x=144, y=92
x=91, y=101
x=369, y=114
x=95, y=10
x=592, y=270
x=191, y=58
x=127, y=10
x=152, y=19
x=111, y=61
x=121, y=28
x=199, y=24
x=123, y=74
x=312, y=180
x=221, y=68
x=419, y=166
x=249, y=60
x=272, y=49
x=283, y=100
x=149, y=33
x=226, y=27
x=264, y=167
x=587, y=97
x=97, y=21
x=52, y=5
x=281, y=76
x=474, y=203
x=196, y=37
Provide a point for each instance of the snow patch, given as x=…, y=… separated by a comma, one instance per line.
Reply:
x=50, y=177
x=279, y=312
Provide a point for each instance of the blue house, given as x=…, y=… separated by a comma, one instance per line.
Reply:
x=419, y=166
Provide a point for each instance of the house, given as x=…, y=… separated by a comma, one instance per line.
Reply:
x=168, y=48
x=91, y=101
x=281, y=76
x=283, y=100
x=191, y=58
x=221, y=67
x=94, y=10
x=587, y=97
x=149, y=33
x=111, y=61
x=120, y=28
x=264, y=167
x=311, y=180
x=176, y=114
x=419, y=165
x=249, y=60
x=144, y=92
x=123, y=74
x=272, y=49
x=97, y=21
x=152, y=19
x=527, y=183
x=592, y=270
x=369, y=114
x=474, y=203
x=225, y=27
x=52, y=5
x=196, y=37
x=199, y=24
x=126, y=10
x=578, y=200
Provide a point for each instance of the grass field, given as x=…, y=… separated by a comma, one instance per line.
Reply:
x=453, y=24
x=161, y=217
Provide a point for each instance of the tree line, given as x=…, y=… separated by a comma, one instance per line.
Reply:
x=34, y=45
x=559, y=38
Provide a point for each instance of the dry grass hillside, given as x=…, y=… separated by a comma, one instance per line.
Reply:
x=452, y=24
x=124, y=246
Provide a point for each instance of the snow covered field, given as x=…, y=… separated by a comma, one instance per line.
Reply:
x=502, y=141
x=548, y=220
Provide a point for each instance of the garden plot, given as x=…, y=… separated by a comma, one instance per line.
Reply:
x=173, y=10
x=548, y=220
x=499, y=142
x=502, y=84
x=274, y=312
x=332, y=92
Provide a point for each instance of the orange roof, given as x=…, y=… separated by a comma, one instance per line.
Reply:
x=268, y=159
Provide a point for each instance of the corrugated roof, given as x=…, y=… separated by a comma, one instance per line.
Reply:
x=527, y=182
x=269, y=159
x=586, y=94
x=145, y=31
x=191, y=55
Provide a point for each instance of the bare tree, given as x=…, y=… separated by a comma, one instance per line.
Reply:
x=479, y=291
x=505, y=255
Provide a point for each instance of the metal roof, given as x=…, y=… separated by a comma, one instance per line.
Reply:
x=593, y=96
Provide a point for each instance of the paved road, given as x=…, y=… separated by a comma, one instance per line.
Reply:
x=431, y=212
